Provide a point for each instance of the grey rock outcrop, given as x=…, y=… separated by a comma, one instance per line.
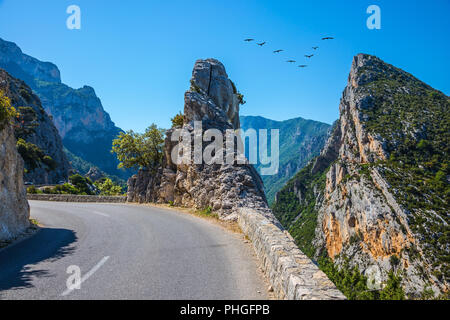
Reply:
x=14, y=209
x=95, y=174
x=46, y=163
x=234, y=191
x=222, y=187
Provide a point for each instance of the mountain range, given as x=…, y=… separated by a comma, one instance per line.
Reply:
x=299, y=141
x=85, y=127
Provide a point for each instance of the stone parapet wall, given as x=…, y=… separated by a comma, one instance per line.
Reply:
x=292, y=274
x=76, y=198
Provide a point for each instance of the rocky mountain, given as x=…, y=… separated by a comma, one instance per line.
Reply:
x=38, y=140
x=300, y=140
x=373, y=207
x=213, y=101
x=14, y=209
x=86, y=129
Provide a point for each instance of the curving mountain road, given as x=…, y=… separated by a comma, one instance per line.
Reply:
x=128, y=252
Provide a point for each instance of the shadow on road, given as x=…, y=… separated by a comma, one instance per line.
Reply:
x=18, y=264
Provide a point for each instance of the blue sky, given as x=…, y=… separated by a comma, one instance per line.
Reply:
x=138, y=55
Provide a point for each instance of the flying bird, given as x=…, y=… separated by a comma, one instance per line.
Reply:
x=248, y=40
x=311, y=55
x=302, y=66
x=315, y=48
x=291, y=61
x=261, y=44
x=277, y=51
x=328, y=38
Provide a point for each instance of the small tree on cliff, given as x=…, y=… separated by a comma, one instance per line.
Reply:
x=178, y=120
x=6, y=110
x=135, y=150
x=239, y=95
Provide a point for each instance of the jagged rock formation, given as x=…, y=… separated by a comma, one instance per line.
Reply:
x=377, y=196
x=94, y=174
x=234, y=191
x=212, y=100
x=39, y=142
x=300, y=141
x=78, y=114
x=14, y=209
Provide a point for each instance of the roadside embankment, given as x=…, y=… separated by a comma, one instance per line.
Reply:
x=76, y=198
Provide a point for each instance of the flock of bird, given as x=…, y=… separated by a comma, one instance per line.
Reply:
x=309, y=56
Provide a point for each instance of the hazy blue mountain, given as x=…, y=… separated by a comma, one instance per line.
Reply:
x=300, y=141
x=84, y=126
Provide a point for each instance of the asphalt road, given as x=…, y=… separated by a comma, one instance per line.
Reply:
x=128, y=252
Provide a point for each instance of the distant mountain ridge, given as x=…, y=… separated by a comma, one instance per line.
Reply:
x=300, y=141
x=85, y=127
x=39, y=143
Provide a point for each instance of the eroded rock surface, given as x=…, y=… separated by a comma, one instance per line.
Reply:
x=371, y=193
x=14, y=209
x=211, y=100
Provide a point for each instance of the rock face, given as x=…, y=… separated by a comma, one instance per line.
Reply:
x=39, y=142
x=376, y=194
x=78, y=114
x=300, y=141
x=14, y=209
x=95, y=174
x=224, y=188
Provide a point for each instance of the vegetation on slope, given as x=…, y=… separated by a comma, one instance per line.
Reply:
x=414, y=121
x=300, y=218
x=7, y=111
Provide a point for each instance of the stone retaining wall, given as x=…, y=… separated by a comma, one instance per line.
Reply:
x=76, y=198
x=292, y=274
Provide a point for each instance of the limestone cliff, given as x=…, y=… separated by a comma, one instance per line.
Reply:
x=212, y=100
x=86, y=129
x=377, y=196
x=14, y=209
x=39, y=142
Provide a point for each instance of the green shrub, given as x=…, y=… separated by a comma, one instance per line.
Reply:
x=354, y=285
x=31, y=154
x=33, y=190
x=194, y=87
x=178, y=120
x=108, y=188
x=393, y=289
x=207, y=211
x=81, y=183
x=239, y=95
x=49, y=162
x=135, y=150
x=7, y=111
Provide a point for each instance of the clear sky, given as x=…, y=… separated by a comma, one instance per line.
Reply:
x=138, y=55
